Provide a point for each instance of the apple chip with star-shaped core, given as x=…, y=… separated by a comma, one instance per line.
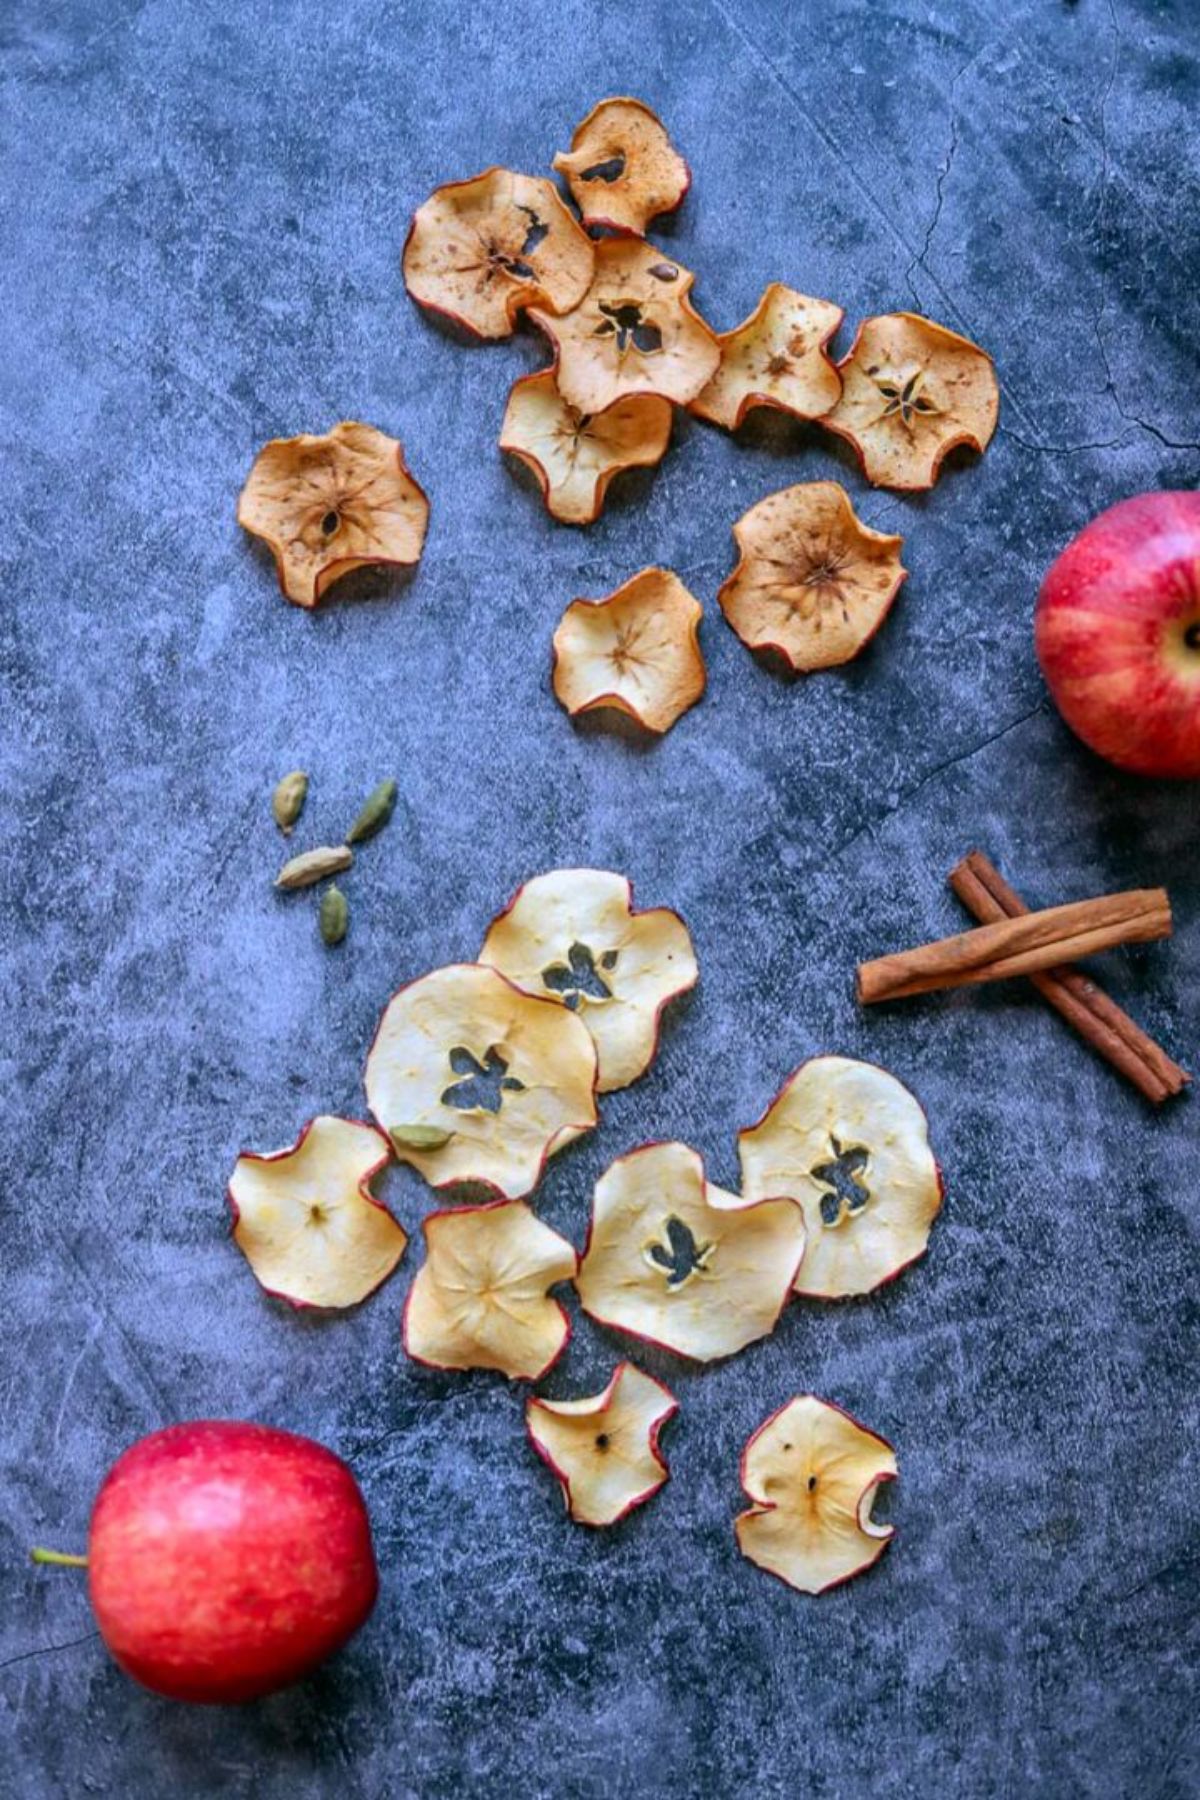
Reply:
x=576, y=455
x=475, y=1080
x=481, y=1300
x=813, y=1473
x=327, y=505
x=851, y=1144
x=676, y=1261
x=636, y=652
x=775, y=358
x=812, y=582
x=622, y=168
x=912, y=391
x=575, y=936
x=306, y=1220
x=604, y=1450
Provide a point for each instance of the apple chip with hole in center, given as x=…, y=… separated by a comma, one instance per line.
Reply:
x=813, y=1473
x=481, y=1300
x=474, y=1080
x=575, y=455
x=911, y=392
x=775, y=358
x=812, y=582
x=306, y=1220
x=634, y=331
x=851, y=1144
x=604, y=1450
x=622, y=168
x=482, y=250
x=636, y=652
x=676, y=1261
x=573, y=935
x=327, y=505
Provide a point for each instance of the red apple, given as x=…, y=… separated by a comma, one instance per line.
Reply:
x=1118, y=634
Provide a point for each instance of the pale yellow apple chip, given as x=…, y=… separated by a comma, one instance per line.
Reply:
x=481, y=1299
x=911, y=392
x=634, y=331
x=327, y=505
x=622, y=168
x=574, y=935
x=604, y=1450
x=775, y=358
x=813, y=1473
x=480, y=251
x=508, y=1078
x=812, y=582
x=575, y=455
x=306, y=1220
x=637, y=652
x=851, y=1144
x=676, y=1261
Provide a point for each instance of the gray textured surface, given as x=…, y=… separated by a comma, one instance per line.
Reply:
x=203, y=210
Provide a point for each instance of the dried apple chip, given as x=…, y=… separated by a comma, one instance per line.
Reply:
x=507, y=1077
x=812, y=582
x=481, y=1299
x=306, y=1220
x=622, y=168
x=813, y=1473
x=775, y=358
x=851, y=1144
x=911, y=392
x=575, y=455
x=634, y=331
x=480, y=251
x=574, y=935
x=637, y=652
x=604, y=1450
x=327, y=505
x=676, y=1261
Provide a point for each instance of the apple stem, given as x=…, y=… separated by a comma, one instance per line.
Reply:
x=64, y=1557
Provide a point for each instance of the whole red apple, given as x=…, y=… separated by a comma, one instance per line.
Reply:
x=1118, y=634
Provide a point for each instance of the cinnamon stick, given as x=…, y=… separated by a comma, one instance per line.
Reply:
x=1100, y=1022
x=1018, y=946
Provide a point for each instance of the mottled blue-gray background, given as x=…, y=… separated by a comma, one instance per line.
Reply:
x=203, y=208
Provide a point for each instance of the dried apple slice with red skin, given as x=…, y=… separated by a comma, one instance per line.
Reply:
x=482, y=250
x=327, y=505
x=813, y=1473
x=575, y=936
x=306, y=1220
x=635, y=652
x=652, y=178
x=849, y=1142
x=525, y=1081
x=605, y=1450
x=576, y=455
x=634, y=331
x=812, y=583
x=912, y=391
x=481, y=1299
x=775, y=358
x=682, y=1264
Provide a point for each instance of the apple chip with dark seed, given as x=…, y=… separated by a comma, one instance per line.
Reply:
x=604, y=1450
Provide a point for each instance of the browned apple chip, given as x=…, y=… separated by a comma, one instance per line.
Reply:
x=622, y=168
x=775, y=358
x=481, y=1299
x=306, y=1220
x=575, y=455
x=634, y=331
x=330, y=504
x=635, y=652
x=604, y=1450
x=480, y=251
x=813, y=1473
x=911, y=392
x=812, y=582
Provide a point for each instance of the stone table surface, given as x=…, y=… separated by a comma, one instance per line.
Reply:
x=203, y=212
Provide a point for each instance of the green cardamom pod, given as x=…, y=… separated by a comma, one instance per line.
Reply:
x=377, y=809
x=418, y=1137
x=287, y=802
x=314, y=865
x=335, y=915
